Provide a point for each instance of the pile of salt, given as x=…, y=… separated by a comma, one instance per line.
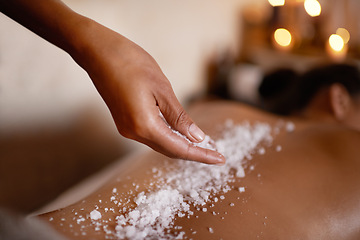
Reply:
x=192, y=184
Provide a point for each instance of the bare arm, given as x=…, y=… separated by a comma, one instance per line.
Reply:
x=127, y=77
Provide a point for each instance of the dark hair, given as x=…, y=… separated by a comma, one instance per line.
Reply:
x=296, y=93
x=274, y=88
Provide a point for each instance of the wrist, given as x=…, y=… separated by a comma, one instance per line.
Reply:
x=77, y=37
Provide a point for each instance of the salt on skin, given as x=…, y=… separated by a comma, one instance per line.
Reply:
x=261, y=151
x=188, y=185
x=95, y=215
x=290, y=126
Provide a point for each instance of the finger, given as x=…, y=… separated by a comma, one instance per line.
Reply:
x=178, y=119
x=164, y=140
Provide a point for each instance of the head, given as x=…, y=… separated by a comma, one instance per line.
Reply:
x=330, y=92
x=274, y=90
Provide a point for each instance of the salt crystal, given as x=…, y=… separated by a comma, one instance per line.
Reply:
x=240, y=173
x=222, y=197
x=204, y=209
x=181, y=235
x=79, y=220
x=232, y=204
x=95, y=215
x=278, y=148
x=51, y=219
x=290, y=126
x=261, y=151
x=241, y=189
x=211, y=230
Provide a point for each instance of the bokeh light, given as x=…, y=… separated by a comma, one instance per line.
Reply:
x=282, y=37
x=336, y=42
x=312, y=7
x=276, y=3
x=342, y=32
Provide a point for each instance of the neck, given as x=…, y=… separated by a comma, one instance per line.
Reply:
x=315, y=114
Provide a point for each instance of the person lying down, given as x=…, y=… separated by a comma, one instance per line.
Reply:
x=292, y=177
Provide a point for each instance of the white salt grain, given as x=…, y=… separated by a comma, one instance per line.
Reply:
x=211, y=230
x=290, y=126
x=79, y=220
x=278, y=148
x=261, y=151
x=95, y=215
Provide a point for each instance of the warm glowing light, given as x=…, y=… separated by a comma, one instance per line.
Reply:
x=312, y=7
x=342, y=32
x=276, y=3
x=336, y=42
x=282, y=37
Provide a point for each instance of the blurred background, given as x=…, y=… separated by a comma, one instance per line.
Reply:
x=55, y=129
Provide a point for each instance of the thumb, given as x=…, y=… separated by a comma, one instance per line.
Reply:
x=179, y=120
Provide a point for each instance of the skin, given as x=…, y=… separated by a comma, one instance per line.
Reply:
x=129, y=80
x=308, y=190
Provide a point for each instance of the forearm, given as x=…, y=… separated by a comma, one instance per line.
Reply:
x=51, y=20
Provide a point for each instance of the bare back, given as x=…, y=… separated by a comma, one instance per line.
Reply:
x=305, y=186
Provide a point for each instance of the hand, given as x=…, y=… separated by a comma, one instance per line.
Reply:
x=128, y=78
x=135, y=90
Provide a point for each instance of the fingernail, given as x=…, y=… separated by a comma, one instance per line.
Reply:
x=196, y=132
x=220, y=160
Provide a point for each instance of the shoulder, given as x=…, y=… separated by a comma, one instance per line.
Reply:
x=220, y=111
